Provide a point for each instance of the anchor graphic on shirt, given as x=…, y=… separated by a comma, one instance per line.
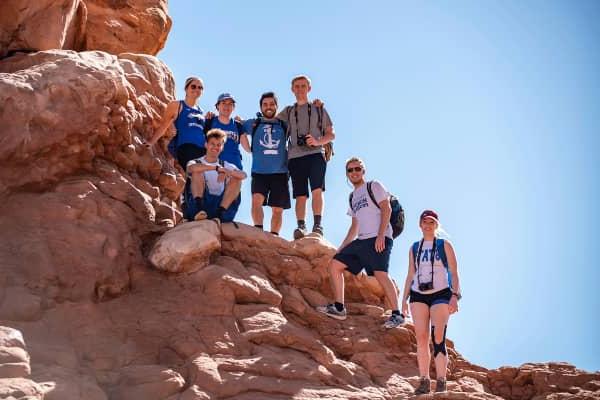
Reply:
x=268, y=142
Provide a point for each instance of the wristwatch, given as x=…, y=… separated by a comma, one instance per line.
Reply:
x=458, y=295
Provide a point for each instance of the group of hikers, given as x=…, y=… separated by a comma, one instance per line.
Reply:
x=296, y=143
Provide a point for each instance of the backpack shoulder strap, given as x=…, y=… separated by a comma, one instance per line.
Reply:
x=284, y=125
x=208, y=125
x=441, y=250
x=320, y=120
x=255, y=126
x=371, y=195
x=415, y=250
x=350, y=199
x=240, y=129
x=222, y=163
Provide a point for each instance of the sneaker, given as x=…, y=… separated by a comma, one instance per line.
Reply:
x=200, y=215
x=299, y=232
x=332, y=312
x=440, y=385
x=394, y=321
x=318, y=229
x=424, y=386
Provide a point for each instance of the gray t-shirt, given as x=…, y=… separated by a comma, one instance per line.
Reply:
x=367, y=214
x=298, y=124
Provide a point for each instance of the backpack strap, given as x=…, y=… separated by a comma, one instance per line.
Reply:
x=439, y=243
x=320, y=120
x=415, y=250
x=371, y=195
x=350, y=199
x=208, y=123
x=221, y=163
x=240, y=129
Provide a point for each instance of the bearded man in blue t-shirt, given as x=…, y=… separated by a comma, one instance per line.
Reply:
x=268, y=145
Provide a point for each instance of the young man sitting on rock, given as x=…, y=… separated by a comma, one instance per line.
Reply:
x=216, y=184
x=372, y=247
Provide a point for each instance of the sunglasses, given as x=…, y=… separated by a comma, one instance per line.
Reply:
x=196, y=87
x=355, y=169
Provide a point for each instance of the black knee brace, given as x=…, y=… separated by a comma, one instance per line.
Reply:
x=438, y=347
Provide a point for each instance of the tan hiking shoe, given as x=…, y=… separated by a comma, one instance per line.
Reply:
x=200, y=216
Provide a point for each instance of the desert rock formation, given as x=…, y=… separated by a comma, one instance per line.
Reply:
x=136, y=26
x=103, y=295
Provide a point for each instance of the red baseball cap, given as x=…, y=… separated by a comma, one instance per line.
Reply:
x=429, y=214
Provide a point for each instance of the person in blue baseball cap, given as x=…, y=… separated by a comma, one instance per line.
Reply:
x=225, y=105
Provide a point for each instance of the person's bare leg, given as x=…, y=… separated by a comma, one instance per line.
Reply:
x=232, y=190
x=257, y=208
x=317, y=202
x=301, y=207
x=336, y=273
x=439, y=320
x=389, y=288
x=276, y=219
x=197, y=184
x=420, y=316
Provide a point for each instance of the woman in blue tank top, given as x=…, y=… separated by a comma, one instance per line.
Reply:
x=187, y=116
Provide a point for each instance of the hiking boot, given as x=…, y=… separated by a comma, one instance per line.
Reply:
x=440, y=385
x=200, y=215
x=318, y=229
x=332, y=312
x=299, y=232
x=424, y=386
x=394, y=321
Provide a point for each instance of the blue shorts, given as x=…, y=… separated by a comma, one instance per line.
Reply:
x=440, y=297
x=361, y=254
x=211, y=204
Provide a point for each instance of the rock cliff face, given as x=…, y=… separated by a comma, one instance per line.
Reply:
x=114, y=26
x=101, y=298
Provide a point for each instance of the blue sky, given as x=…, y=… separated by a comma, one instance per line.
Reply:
x=487, y=112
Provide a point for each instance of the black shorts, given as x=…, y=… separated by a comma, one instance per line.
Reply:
x=440, y=297
x=187, y=152
x=361, y=254
x=305, y=169
x=274, y=187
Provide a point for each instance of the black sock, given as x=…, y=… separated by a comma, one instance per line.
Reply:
x=317, y=220
x=220, y=212
x=338, y=306
x=301, y=223
x=396, y=312
x=199, y=203
x=258, y=226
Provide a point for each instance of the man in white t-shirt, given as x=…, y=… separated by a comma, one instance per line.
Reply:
x=216, y=184
x=371, y=250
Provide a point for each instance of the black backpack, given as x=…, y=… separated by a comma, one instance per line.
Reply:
x=397, y=215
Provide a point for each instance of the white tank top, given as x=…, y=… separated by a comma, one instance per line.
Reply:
x=423, y=273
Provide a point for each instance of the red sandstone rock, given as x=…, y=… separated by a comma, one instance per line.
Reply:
x=134, y=26
x=85, y=213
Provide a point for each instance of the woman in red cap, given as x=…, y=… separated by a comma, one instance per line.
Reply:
x=432, y=286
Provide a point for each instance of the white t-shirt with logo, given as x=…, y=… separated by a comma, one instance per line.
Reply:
x=423, y=266
x=210, y=177
x=367, y=214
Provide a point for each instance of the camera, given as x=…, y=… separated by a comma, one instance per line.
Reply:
x=301, y=141
x=425, y=286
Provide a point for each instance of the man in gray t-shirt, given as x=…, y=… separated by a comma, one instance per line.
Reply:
x=309, y=128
